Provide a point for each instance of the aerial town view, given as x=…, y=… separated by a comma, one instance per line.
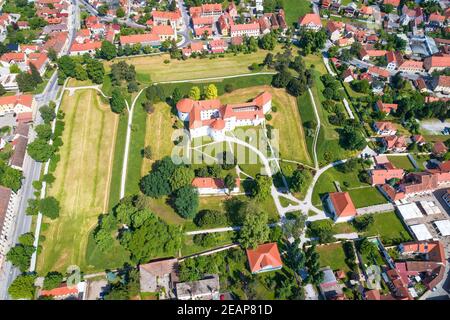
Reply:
x=224, y=150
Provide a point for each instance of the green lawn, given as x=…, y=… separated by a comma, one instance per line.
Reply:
x=333, y=256
x=188, y=246
x=421, y=160
x=325, y=183
x=153, y=68
x=296, y=8
x=306, y=109
x=367, y=196
x=352, y=93
x=402, y=162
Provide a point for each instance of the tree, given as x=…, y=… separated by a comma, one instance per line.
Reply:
x=23, y=287
x=262, y=188
x=321, y=229
x=295, y=258
x=103, y=10
x=254, y=231
x=281, y=79
x=147, y=152
x=108, y=51
x=49, y=207
x=210, y=218
x=132, y=87
x=117, y=101
x=352, y=138
x=95, y=70
x=52, y=280
x=182, y=176
x=186, y=201
x=35, y=75
x=43, y=131
x=294, y=228
x=20, y=256
x=194, y=93
x=211, y=92
x=80, y=72
x=10, y=177
x=120, y=12
x=40, y=150
x=156, y=183
x=32, y=207
x=27, y=239
x=296, y=87
x=47, y=113
x=176, y=95
x=312, y=263
x=268, y=41
x=103, y=239
x=297, y=180
x=25, y=82
x=230, y=182
x=2, y=90
x=362, y=223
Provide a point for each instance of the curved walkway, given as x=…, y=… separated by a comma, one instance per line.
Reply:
x=94, y=87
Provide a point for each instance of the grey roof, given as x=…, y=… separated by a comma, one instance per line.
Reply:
x=20, y=148
x=328, y=276
x=5, y=195
x=201, y=287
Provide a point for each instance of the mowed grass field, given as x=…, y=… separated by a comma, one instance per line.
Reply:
x=292, y=143
x=295, y=9
x=82, y=180
x=153, y=68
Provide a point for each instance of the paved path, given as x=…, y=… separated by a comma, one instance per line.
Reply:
x=94, y=87
x=316, y=136
x=347, y=107
x=127, y=144
x=385, y=207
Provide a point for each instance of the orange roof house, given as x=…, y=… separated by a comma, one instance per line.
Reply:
x=439, y=148
x=385, y=128
x=386, y=107
x=341, y=205
x=394, y=3
x=265, y=257
x=436, y=63
x=310, y=21
x=144, y=39
x=207, y=185
x=382, y=175
x=379, y=72
x=395, y=143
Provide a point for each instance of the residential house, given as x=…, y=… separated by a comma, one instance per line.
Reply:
x=310, y=21
x=348, y=75
x=264, y=258
x=394, y=143
x=386, y=107
x=218, y=46
x=411, y=66
x=205, y=289
x=379, y=72
x=224, y=23
x=419, y=139
x=65, y=292
x=194, y=47
x=394, y=60
x=172, y=18
x=207, y=10
x=439, y=148
x=78, y=49
x=145, y=39
x=249, y=29
x=335, y=30
x=366, y=54
x=164, y=33
x=341, y=206
x=8, y=200
x=436, y=63
x=385, y=128
x=159, y=276
x=383, y=173
x=16, y=104
x=441, y=84
x=214, y=186
x=19, y=143
x=329, y=286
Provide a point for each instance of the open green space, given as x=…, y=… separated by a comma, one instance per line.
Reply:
x=333, y=256
x=366, y=196
x=402, y=162
x=153, y=68
x=83, y=177
x=295, y=9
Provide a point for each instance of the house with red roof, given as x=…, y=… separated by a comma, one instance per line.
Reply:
x=441, y=84
x=386, y=107
x=335, y=30
x=217, y=46
x=310, y=21
x=16, y=104
x=394, y=59
x=366, y=54
x=164, y=32
x=411, y=66
x=203, y=31
x=419, y=139
x=172, y=18
x=39, y=60
x=264, y=258
x=439, y=148
x=214, y=186
x=385, y=128
x=436, y=63
x=211, y=118
x=365, y=12
x=385, y=172
x=194, y=47
x=379, y=72
x=65, y=292
x=348, y=75
x=246, y=29
x=394, y=143
x=78, y=49
x=224, y=22
x=394, y=3
x=145, y=39
x=206, y=10
x=341, y=206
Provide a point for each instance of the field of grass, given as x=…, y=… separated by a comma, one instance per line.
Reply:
x=306, y=109
x=421, y=160
x=328, y=136
x=188, y=246
x=153, y=68
x=333, y=256
x=402, y=162
x=296, y=8
x=79, y=83
x=286, y=120
x=158, y=134
x=352, y=93
x=325, y=183
x=367, y=196
x=83, y=177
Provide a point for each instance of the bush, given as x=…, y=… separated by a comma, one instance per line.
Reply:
x=206, y=240
x=268, y=117
x=229, y=87
x=210, y=218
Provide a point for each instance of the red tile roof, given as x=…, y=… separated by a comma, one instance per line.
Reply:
x=85, y=46
x=395, y=3
x=343, y=204
x=437, y=62
x=310, y=18
x=264, y=256
x=379, y=72
x=138, y=38
x=386, y=107
x=439, y=148
x=213, y=183
x=380, y=176
x=60, y=292
x=24, y=99
x=244, y=27
x=169, y=15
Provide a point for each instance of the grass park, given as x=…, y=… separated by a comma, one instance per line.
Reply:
x=83, y=177
x=402, y=162
x=333, y=256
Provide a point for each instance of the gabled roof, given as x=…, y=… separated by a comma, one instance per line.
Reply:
x=23, y=99
x=343, y=204
x=265, y=255
x=139, y=38
x=310, y=18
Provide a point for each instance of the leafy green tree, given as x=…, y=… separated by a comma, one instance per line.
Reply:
x=147, y=152
x=176, y=95
x=321, y=229
x=25, y=82
x=156, y=183
x=117, y=101
x=186, y=201
x=362, y=223
x=182, y=176
x=32, y=207
x=210, y=218
x=40, y=150
x=294, y=227
x=211, y=92
x=23, y=287
x=312, y=263
x=268, y=41
x=262, y=188
x=52, y=280
x=49, y=207
x=120, y=12
x=35, y=75
x=20, y=256
x=254, y=231
x=95, y=70
x=195, y=93
x=43, y=131
x=10, y=177
x=47, y=113
x=108, y=51
x=230, y=182
x=103, y=239
x=80, y=72
x=281, y=79
x=2, y=90
x=352, y=139
x=27, y=239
